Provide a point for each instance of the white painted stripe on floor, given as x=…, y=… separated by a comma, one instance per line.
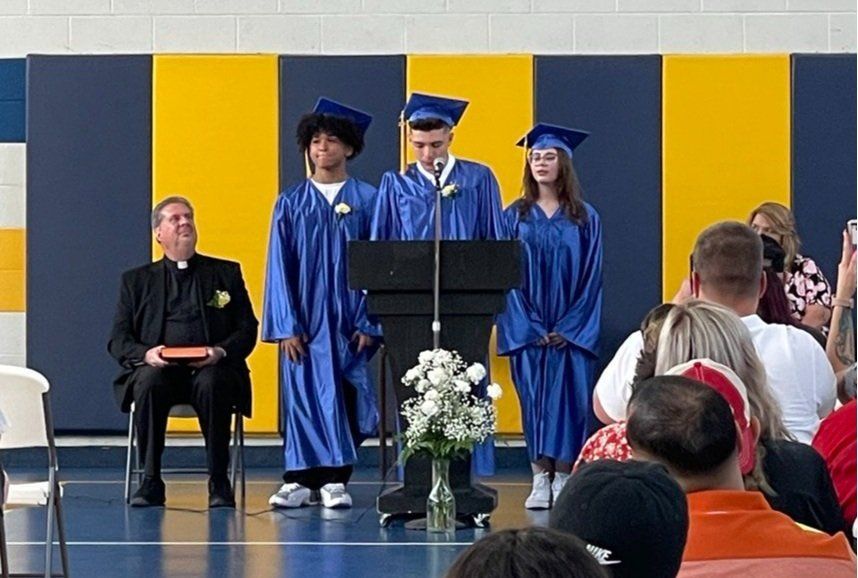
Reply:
x=271, y=483
x=338, y=544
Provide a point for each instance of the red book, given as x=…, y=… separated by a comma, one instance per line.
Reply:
x=184, y=353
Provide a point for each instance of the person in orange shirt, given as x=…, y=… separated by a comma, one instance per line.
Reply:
x=696, y=422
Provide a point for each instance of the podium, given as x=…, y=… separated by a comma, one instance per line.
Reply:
x=398, y=279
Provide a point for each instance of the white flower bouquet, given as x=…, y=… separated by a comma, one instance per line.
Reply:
x=445, y=418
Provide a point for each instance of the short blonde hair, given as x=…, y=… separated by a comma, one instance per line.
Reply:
x=783, y=224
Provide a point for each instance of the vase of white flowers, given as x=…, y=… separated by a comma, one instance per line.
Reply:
x=445, y=419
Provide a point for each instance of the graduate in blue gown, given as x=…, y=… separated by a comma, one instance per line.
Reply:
x=471, y=206
x=321, y=326
x=550, y=328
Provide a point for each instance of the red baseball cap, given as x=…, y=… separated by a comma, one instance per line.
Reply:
x=725, y=381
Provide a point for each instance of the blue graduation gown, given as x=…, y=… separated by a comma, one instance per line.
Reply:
x=405, y=206
x=405, y=211
x=561, y=292
x=306, y=293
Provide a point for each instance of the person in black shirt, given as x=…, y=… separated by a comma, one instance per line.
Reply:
x=184, y=299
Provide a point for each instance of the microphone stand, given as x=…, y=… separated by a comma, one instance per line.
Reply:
x=436, y=319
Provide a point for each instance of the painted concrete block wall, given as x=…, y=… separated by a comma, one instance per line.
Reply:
x=426, y=26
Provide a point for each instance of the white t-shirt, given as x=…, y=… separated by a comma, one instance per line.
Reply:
x=797, y=370
x=330, y=190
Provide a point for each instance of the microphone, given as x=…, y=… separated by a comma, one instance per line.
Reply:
x=438, y=164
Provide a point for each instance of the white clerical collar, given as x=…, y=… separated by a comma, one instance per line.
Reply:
x=448, y=168
x=182, y=264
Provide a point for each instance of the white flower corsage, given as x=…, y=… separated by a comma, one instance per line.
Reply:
x=450, y=190
x=220, y=300
x=342, y=209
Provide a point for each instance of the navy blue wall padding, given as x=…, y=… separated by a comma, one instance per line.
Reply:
x=823, y=153
x=374, y=84
x=89, y=193
x=618, y=100
x=12, y=99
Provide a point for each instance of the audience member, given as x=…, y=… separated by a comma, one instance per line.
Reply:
x=705, y=435
x=836, y=441
x=841, y=339
x=632, y=515
x=527, y=552
x=807, y=288
x=774, y=306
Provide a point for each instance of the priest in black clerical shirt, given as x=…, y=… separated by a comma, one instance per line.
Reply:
x=185, y=299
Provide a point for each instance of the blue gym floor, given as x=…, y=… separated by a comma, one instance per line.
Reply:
x=108, y=539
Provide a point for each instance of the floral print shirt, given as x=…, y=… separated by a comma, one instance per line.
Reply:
x=609, y=443
x=806, y=285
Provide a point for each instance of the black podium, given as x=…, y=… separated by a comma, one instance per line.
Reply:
x=398, y=278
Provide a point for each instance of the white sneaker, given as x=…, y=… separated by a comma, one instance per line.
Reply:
x=335, y=496
x=540, y=496
x=290, y=495
x=557, y=485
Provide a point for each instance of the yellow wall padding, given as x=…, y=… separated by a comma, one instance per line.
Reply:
x=726, y=146
x=215, y=141
x=500, y=90
x=12, y=270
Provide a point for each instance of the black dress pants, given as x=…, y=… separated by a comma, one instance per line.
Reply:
x=210, y=390
x=315, y=478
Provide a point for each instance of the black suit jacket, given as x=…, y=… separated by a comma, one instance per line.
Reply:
x=139, y=320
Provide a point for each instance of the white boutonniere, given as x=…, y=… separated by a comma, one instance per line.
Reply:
x=220, y=300
x=342, y=209
x=450, y=190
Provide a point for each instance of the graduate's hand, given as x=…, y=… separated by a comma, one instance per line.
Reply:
x=543, y=341
x=294, y=348
x=213, y=355
x=363, y=340
x=556, y=340
x=153, y=357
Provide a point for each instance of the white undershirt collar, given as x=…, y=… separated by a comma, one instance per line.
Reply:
x=448, y=168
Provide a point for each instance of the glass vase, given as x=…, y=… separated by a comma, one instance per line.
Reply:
x=441, y=504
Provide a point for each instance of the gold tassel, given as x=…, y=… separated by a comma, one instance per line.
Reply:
x=403, y=142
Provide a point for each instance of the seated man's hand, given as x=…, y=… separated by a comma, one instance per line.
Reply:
x=363, y=340
x=213, y=355
x=293, y=348
x=154, y=359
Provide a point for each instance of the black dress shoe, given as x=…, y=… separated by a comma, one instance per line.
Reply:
x=220, y=493
x=150, y=493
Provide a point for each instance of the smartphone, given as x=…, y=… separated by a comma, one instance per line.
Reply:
x=852, y=227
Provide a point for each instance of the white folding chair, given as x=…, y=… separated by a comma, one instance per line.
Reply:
x=133, y=466
x=25, y=400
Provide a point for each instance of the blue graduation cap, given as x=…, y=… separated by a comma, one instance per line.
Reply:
x=330, y=107
x=427, y=106
x=546, y=136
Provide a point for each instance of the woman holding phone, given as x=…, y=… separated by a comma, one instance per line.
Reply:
x=550, y=328
x=807, y=289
